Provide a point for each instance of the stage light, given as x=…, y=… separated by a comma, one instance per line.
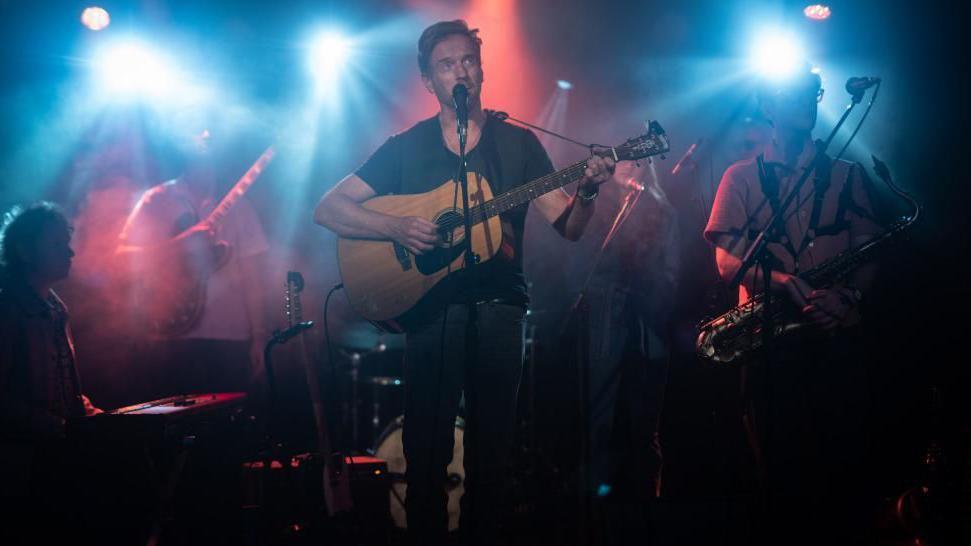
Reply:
x=564, y=85
x=817, y=12
x=329, y=52
x=95, y=18
x=777, y=55
x=131, y=68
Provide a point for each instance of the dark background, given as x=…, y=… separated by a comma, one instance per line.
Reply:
x=679, y=62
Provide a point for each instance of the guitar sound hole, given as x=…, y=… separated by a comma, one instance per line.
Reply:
x=441, y=256
x=448, y=222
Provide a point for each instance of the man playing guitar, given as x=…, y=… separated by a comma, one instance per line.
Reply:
x=163, y=239
x=437, y=370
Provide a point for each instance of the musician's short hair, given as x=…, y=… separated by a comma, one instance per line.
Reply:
x=22, y=226
x=438, y=32
x=806, y=78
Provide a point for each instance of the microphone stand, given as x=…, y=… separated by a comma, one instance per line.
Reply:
x=278, y=338
x=469, y=265
x=757, y=248
x=757, y=253
x=470, y=272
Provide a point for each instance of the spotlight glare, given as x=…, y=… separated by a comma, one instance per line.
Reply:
x=95, y=18
x=817, y=12
x=130, y=68
x=329, y=52
x=777, y=55
x=564, y=85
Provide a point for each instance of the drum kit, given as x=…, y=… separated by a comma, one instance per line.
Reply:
x=372, y=395
x=373, y=413
x=388, y=447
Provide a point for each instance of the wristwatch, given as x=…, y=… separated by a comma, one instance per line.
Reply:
x=588, y=196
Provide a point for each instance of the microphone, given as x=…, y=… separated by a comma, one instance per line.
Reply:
x=856, y=86
x=460, y=98
x=687, y=156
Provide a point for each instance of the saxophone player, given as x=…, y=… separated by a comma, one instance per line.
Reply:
x=805, y=409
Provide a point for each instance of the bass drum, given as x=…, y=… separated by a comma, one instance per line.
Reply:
x=389, y=448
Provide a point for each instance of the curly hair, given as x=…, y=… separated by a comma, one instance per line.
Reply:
x=22, y=226
x=438, y=32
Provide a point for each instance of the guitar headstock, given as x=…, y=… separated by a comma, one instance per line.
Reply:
x=292, y=306
x=653, y=142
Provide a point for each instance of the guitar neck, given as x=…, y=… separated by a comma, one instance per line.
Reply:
x=529, y=191
x=218, y=214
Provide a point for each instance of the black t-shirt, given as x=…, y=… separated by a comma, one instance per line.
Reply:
x=418, y=161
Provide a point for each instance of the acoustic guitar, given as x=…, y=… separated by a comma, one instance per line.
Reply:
x=383, y=280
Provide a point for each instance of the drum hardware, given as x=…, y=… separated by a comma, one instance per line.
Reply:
x=383, y=380
x=355, y=361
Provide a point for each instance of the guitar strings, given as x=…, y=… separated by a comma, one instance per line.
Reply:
x=515, y=196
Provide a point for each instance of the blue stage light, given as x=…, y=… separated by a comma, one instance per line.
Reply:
x=329, y=53
x=777, y=55
x=564, y=85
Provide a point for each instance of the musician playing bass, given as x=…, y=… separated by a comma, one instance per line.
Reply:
x=807, y=405
x=416, y=161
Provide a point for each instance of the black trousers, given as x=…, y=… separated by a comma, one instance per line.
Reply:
x=436, y=375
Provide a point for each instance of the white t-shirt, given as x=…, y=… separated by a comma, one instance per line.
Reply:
x=157, y=217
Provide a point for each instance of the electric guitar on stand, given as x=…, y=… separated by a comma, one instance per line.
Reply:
x=337, y=484
x=383, y=280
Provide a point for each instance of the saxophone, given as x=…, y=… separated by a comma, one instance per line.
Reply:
x=736, y=335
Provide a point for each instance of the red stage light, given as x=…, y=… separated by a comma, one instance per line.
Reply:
x=817, y=12
x=95, y=18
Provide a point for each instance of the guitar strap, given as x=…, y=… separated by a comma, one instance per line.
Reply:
x=492, y=165
x=491, y=158
x=846, y=203
x=822, y=180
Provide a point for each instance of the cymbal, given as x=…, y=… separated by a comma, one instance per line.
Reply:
x=365, y=337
